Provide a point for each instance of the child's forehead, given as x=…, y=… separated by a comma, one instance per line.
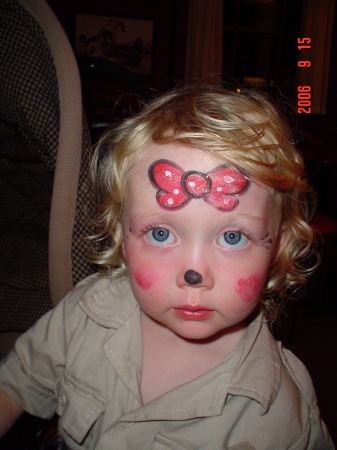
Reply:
x=144, y=193
x=187, y=157
x=182, y=156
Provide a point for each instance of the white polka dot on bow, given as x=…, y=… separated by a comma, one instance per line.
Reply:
x=228, y=179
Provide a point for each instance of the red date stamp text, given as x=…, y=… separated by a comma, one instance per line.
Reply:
x=304, y=92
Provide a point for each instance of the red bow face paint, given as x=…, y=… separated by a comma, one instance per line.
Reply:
x=176, y=188
x=248, y=289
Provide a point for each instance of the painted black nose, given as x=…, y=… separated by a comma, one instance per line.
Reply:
x=192, y=277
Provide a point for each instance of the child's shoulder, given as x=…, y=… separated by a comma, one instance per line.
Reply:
x=280, y=382
x=101, y=298
x=274, y=374
x=299, y=375
x=98, y=285
x=289, y=374
x=298, y=406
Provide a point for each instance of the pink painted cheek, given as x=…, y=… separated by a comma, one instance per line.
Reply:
x=144, y=281
x=248, y=289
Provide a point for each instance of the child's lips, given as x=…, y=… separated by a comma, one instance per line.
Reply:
x=189, y=312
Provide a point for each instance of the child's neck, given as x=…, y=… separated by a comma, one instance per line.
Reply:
x=170, y=361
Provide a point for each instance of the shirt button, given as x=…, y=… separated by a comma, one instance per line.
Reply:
x=127, y=424
x=62, y=399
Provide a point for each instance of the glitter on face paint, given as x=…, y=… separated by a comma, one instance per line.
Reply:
x=228, y=179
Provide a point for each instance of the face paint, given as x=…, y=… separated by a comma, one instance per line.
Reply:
x=232, y=277
x=248, y=289
x=192, y=277
x=143, y=281
x=176, y=188
x=266, y=242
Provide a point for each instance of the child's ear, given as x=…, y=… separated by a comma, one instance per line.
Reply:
x=282, y=241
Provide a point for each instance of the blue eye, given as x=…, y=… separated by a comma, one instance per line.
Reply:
x=160, y=236
x=233, y=239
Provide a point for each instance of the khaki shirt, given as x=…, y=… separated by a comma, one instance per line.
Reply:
x=84, y=358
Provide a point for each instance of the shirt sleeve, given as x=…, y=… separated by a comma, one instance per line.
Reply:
x=317, y=434
x=30, y=372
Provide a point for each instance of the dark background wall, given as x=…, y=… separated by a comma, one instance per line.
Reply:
x=169, y=44
x=170, y=33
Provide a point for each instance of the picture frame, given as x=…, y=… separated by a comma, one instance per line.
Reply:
x=123, y=40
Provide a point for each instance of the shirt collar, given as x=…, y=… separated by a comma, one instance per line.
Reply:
x=109, y=301
x=258, y=373
x=252, y=370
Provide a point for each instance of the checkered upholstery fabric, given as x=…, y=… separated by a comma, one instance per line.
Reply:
x=29, y=99
x=25, y=197
x=85, y=211
x=29, y=91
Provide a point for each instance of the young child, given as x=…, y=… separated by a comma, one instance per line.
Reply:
x=205, y=234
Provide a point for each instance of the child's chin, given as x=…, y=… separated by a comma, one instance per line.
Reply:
x=197, y=332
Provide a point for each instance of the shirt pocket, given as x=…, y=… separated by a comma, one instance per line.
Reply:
x=78, y=407
x=162, y=442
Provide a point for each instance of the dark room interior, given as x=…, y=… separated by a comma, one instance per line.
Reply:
x=286, y=48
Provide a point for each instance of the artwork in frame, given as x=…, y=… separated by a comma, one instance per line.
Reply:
x=123, y=40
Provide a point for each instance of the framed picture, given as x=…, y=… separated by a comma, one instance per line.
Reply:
x=123, y=40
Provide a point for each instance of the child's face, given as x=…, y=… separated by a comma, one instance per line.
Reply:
x=196, y=265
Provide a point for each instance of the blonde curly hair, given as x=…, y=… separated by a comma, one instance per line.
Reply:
x=244, y=130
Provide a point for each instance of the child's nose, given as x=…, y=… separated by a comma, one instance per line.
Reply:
x=192, y=277
x=195, y=268
x=200, y=278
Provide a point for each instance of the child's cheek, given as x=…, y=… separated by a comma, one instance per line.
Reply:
x=144, y=280
x=248, y=289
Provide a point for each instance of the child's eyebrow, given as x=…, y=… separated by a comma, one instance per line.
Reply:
x=147, y=215
x=252, y=217
x=159, y=216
